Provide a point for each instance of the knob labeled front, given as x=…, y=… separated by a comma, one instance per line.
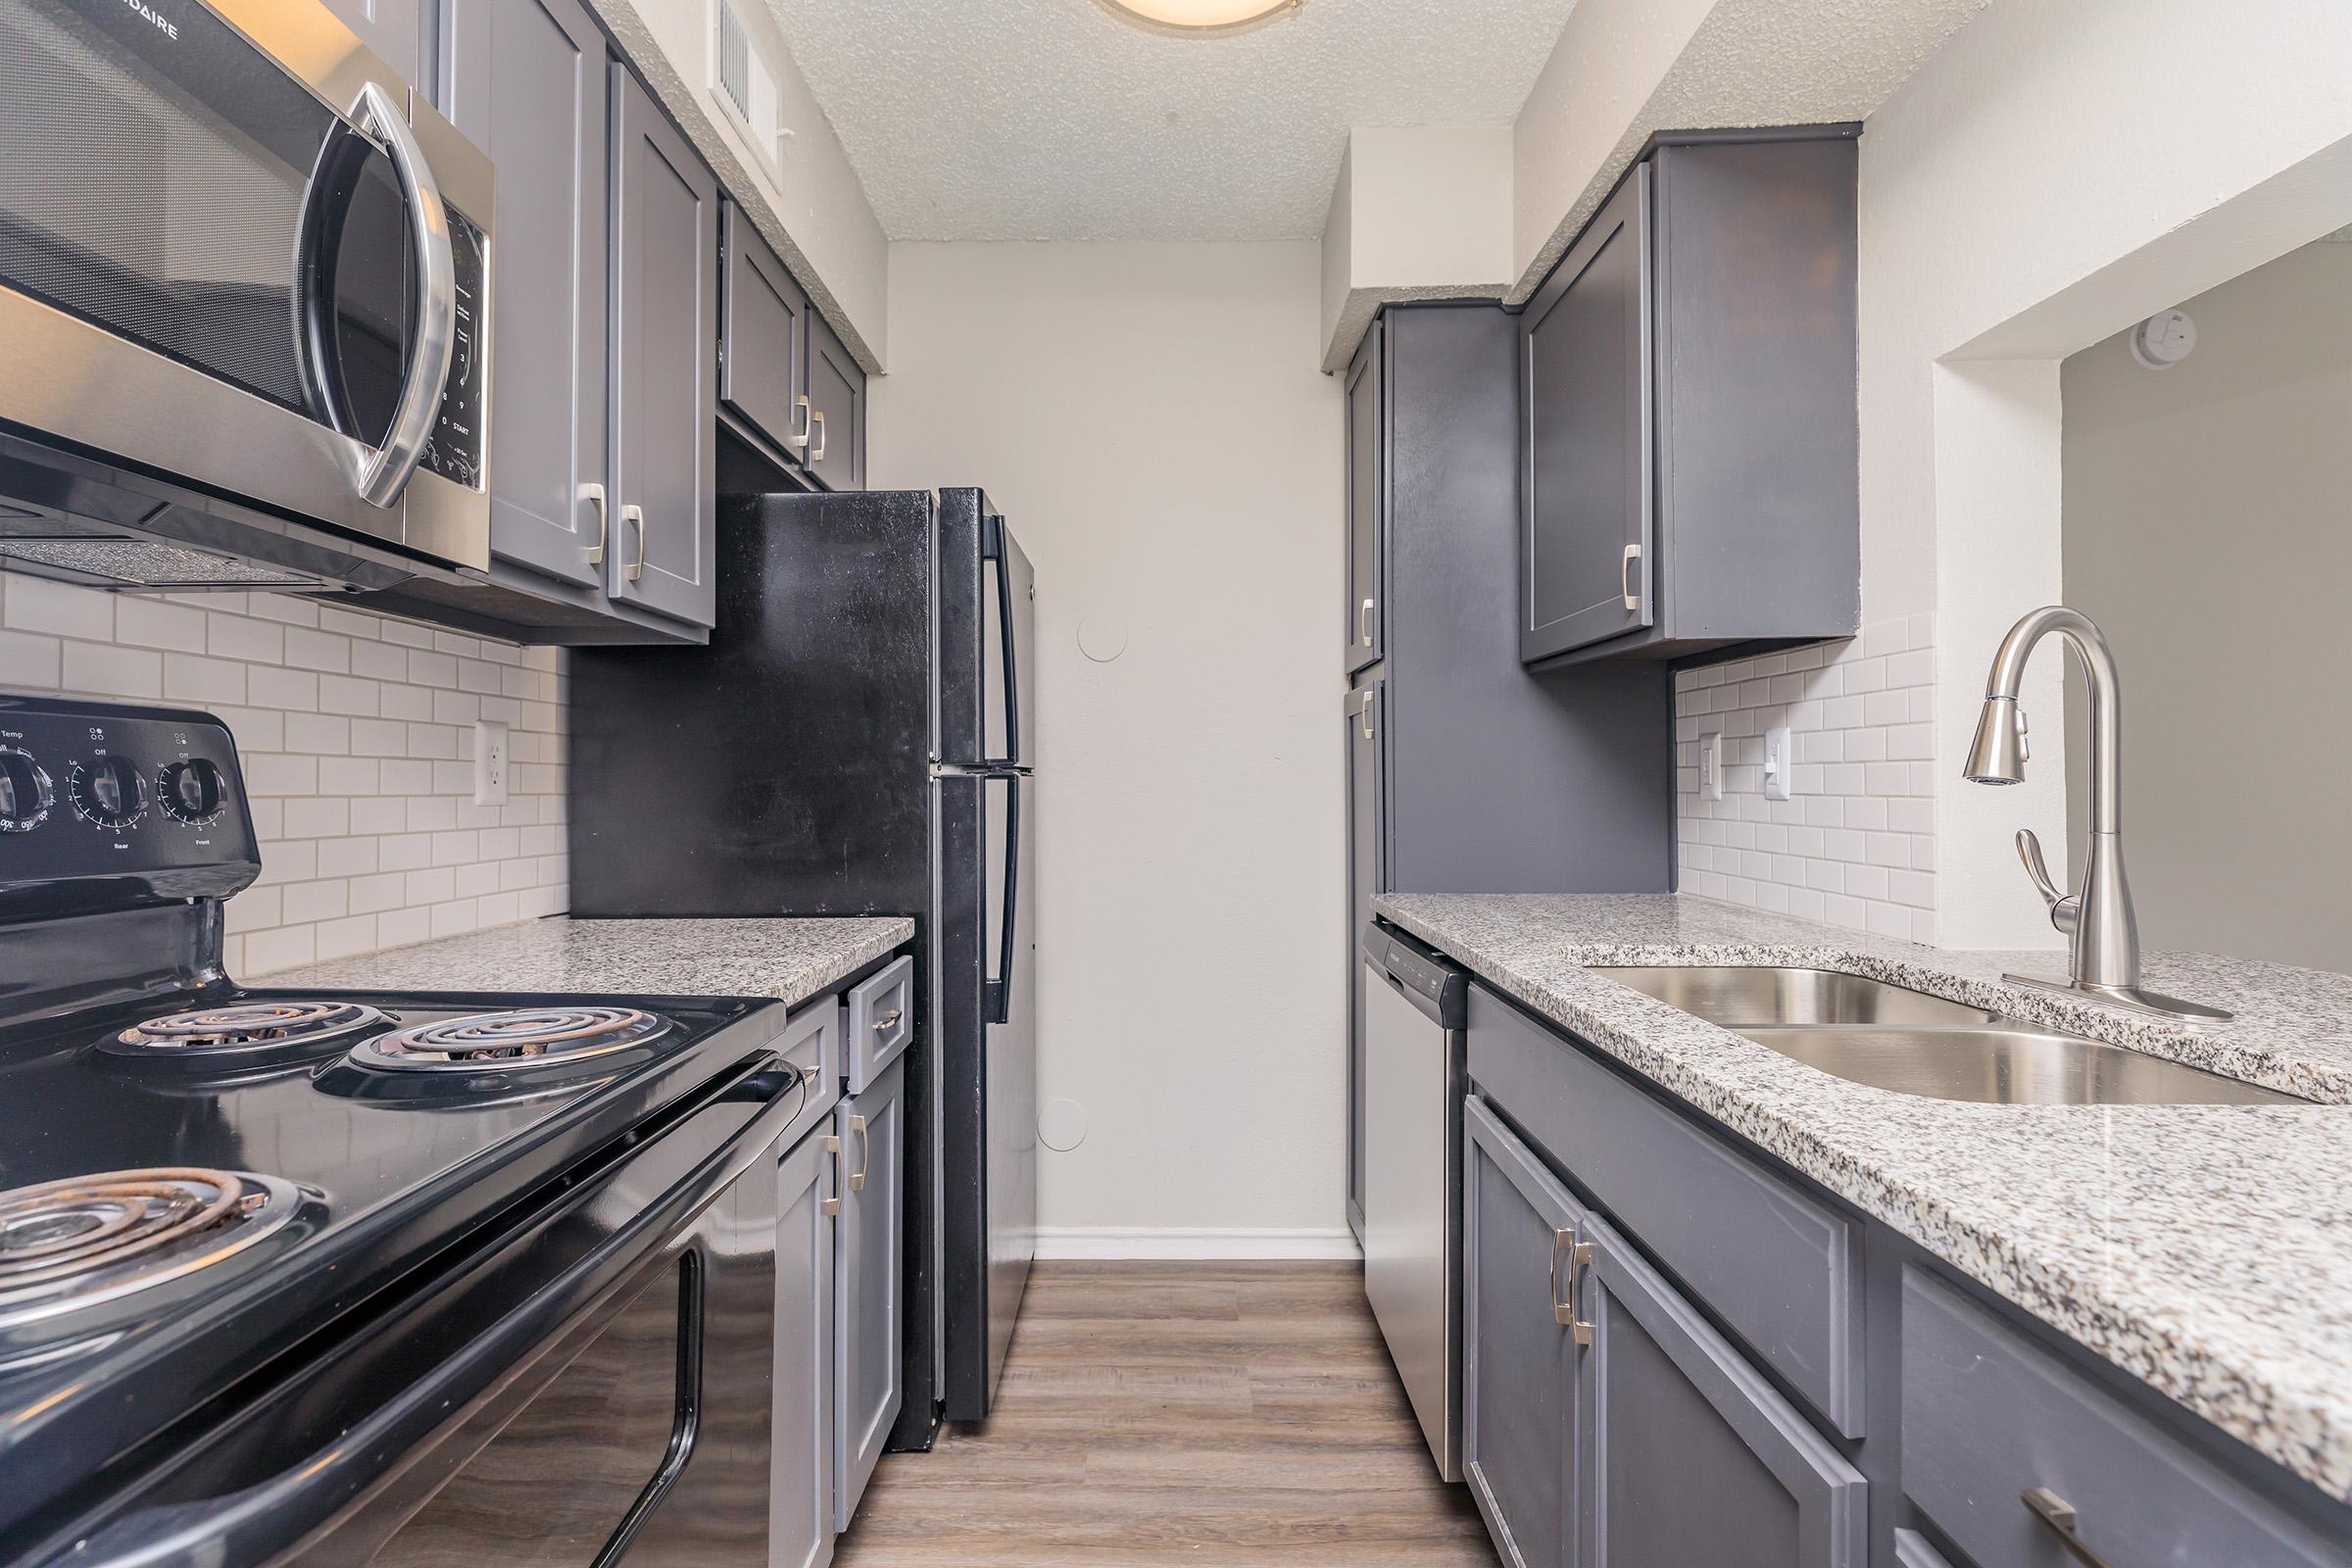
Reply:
x=192, y=792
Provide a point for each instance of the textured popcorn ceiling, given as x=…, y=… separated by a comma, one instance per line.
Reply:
x=993, y=120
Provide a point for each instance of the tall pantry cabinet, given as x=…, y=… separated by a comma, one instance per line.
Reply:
x=1465, y=772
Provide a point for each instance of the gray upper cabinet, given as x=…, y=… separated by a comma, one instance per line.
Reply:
x=764, y=343
x=665, y=487
x=1689, y=451
x=1367, y=500
x=396, y=31
x=527, y=84
x=836, y=453
x=800, y=1489
x=869, y=1284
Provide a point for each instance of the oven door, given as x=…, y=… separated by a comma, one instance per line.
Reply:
x=618, y=1409
x=235, y=250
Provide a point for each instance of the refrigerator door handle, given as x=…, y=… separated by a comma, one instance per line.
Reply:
x=1000, y=989
x=992, y=548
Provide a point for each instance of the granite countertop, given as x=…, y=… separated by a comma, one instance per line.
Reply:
x=2206, y=1250
x=790, y=959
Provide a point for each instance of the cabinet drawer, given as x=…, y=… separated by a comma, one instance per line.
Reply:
x=812, y=1040
x=1782, y=1270
x=1988, y=1416
x=881, y=1023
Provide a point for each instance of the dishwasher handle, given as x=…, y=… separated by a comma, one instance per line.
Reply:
x=1420, y=974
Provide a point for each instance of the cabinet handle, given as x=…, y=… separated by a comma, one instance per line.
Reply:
x=799, y=439
x=818, y=421
x=1363, y=623
x=594, y=495
x=832, y=1205
x=1563, y=1313
x=2058, y=1514
x=1625, y=577
x=636, y=515
x=866, y=1154
x=888, y=1021
x=1364, y=702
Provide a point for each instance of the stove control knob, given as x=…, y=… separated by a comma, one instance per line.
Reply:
x=25, y=793
x=191, y=792
x=111, y=792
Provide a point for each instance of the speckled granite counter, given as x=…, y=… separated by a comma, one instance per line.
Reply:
x=2207, y=1250
x=790, y=959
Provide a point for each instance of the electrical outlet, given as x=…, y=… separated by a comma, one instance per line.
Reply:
x=1710, y=765
x=490, y=762
x=1778, y=767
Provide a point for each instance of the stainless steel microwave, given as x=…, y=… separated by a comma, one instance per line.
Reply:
x=237, y=253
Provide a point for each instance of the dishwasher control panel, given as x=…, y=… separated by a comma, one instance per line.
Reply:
x=1418, y=969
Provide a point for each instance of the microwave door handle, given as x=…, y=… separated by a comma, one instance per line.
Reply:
x=1000, y=989
x=385, y=472
x=410, y=1435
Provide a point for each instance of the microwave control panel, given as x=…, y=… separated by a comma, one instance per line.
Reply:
x=454, y=451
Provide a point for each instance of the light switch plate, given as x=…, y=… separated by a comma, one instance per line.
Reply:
x=1779, y=765
x=491, y=763
x=1710, y=765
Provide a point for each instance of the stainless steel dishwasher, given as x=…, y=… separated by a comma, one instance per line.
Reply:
x=1414, y=1008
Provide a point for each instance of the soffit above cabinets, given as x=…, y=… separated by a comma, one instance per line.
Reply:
x=1008, y=120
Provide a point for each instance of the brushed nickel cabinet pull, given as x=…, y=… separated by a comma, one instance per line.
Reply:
x=888, y=1021
x=866, y=1154
x=635, y=515
x=2058, y=1515
x=1625, y=577
x=1563, y=1310
x=818, y=454
x=1363, y=623
x=1365, y=703
x=594, y=495
x=832, y=1205
x=798, y=438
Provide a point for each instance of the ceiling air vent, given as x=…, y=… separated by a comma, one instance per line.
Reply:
x=744, y=87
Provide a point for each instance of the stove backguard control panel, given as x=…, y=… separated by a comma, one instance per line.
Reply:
x=104, y=806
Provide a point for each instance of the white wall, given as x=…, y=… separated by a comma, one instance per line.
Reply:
x=2209, y=533
x=1150, y=420
x=1420, y=212
x=355, y=735
x=2060, y=168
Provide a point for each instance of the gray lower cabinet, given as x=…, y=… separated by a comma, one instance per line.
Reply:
x=800, y=1484
x=395, y=30
x=836, y=451
x=1362, y=717
x=664, y=485
x=528, y=86
x=869, y=1270
x=763, y=340
x=1604, y=1420
x=1689, y=430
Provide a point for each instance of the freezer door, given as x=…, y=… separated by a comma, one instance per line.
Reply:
x=1007, y=714
x=985, y=616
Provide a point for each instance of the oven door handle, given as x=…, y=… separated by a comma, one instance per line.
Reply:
x=312, y=1509
x=385, y=472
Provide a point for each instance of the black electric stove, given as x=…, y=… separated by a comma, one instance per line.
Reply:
x=278, y=1268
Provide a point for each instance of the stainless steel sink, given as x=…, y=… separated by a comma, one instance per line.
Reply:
x=2008, y=1064
x=1738, y=997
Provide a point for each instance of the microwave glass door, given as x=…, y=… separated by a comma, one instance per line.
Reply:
x=168, y=181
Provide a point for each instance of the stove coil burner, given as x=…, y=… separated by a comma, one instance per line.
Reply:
x=89, y=1239
x=248, y=1028
x=527, y=1038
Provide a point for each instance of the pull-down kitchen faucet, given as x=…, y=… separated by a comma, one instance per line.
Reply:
x=2096, y=917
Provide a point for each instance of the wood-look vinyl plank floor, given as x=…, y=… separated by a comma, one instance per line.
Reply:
x=1240, y=1415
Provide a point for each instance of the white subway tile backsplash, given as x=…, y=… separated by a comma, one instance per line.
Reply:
x=1854, y=846
x=351, y=729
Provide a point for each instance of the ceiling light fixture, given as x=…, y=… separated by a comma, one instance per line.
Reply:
x=1193, y=18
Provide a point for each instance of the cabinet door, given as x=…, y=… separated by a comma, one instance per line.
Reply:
x=1362, y=716
x=1587, y=497
x=527, y=84
x=394, y=29
x=764, y=345
x=1691, y=1455
x=1519, y=1360
x=801, y=1456
x=836, y=452
x=1367, y=500
x=664, y=489
x=870, y=1275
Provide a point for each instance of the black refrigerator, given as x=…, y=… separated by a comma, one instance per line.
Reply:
x=858, y=738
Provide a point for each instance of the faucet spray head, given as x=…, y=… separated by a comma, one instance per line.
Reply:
x=1998, y=753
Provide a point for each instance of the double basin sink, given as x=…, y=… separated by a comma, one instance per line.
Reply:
x=1890, y=1037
